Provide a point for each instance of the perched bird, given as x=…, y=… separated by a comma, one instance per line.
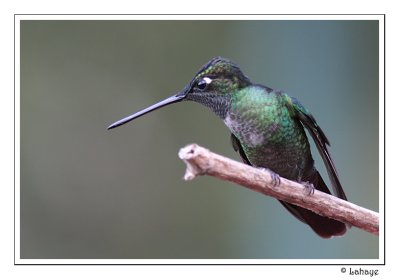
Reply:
x=267, y=129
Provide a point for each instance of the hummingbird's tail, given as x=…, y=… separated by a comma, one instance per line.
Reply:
x=323, y=226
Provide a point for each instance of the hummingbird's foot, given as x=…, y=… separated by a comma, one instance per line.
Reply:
x=275, y=179
x=308, y=187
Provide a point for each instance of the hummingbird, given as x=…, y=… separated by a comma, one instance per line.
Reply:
x=267, y=129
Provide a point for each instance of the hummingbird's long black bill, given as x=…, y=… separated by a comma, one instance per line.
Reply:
x=173, y=99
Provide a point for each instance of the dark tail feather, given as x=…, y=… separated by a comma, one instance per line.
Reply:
x=323, y=226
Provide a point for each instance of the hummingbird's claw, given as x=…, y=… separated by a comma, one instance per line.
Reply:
x=308, y=187
x=275, y=179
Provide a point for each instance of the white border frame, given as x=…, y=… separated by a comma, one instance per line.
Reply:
x=380, y=18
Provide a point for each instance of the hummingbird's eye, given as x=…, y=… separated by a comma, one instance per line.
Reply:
x=203, y=83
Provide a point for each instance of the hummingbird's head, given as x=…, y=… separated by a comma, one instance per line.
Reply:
x=218, y=76
x=212, y=86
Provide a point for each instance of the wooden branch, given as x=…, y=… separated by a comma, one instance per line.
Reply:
x=200, y=161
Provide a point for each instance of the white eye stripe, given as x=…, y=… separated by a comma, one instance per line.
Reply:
x=207, y=80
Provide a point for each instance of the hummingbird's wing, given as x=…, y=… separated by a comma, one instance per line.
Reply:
x=238, y=148
x=321, y=141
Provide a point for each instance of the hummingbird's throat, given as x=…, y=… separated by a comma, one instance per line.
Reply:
x=220, y=104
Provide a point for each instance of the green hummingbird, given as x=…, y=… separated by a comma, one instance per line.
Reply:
x=267, y=130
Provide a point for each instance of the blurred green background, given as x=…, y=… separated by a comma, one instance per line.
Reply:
x=91, y=193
